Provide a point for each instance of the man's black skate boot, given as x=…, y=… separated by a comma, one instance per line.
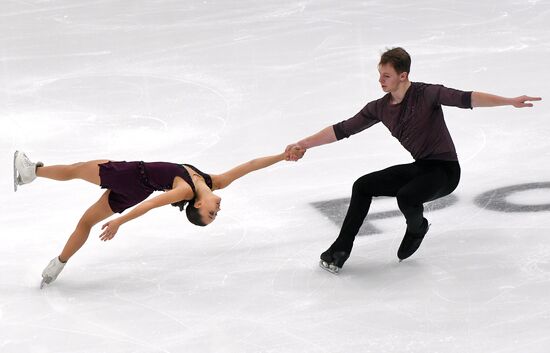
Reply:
x=411, y=241
x=333, y=261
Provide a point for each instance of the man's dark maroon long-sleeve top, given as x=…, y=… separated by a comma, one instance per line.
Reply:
x=417, y=122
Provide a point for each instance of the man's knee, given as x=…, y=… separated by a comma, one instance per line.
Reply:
x=365, y=185
x=407, y=199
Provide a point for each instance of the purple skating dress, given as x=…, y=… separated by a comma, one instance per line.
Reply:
x=132, y=182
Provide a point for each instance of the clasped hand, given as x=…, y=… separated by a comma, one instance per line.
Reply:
x=293, y=152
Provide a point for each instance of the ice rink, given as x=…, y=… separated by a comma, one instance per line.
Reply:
x=217, y=83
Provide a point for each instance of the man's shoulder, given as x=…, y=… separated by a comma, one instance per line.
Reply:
x=423, y=89
x=424, y=85
x=377, y=101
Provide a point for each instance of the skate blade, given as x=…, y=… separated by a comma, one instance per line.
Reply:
x=45, y=282
x=14, y=173
x=329, y=267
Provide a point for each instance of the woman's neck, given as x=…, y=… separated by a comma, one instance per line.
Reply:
x=201, y=188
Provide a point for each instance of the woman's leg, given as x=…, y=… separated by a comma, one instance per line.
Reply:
x=95, y=214
x=88, y=171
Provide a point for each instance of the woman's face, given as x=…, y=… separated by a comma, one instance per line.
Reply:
x=209, y=208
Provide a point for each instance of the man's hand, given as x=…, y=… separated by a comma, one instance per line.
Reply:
x=293, y=152
x=519, y=102
x=480, y=99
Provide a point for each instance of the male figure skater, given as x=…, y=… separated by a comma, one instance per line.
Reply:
x=413, y=114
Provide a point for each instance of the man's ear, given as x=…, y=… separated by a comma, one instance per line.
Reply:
x=403, y=76
x=197, y=204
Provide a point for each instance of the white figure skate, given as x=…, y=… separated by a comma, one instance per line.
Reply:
x=51, y=271
x=24, y=171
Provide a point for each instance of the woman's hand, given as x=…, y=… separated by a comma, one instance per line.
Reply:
x=294, y=152
x=109, y=230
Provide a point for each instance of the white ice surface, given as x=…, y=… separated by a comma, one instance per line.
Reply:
x=215, y=83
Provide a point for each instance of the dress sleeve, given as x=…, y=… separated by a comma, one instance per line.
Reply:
x=442, y=95
x=361, y=121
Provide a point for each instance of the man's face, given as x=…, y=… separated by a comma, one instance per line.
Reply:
x=389, y=78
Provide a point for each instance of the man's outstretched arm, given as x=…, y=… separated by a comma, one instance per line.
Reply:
x=323, y=137
x=480, y=99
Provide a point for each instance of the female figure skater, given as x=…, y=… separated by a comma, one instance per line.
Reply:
x=131, y=183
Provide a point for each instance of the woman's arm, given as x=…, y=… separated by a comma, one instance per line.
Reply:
x=480, y=99
x=110, y=228
x=223, y=180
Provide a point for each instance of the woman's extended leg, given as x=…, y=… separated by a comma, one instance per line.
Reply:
x=95, y=214
x=88, y=171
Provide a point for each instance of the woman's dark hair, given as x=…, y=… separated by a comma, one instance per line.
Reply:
x=180, y=204
x=398, y=58
x=193, y=214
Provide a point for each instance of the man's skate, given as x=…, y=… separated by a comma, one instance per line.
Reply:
x=411, y=241
x=51, y=271
x=24, y=171
x=332, y=261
